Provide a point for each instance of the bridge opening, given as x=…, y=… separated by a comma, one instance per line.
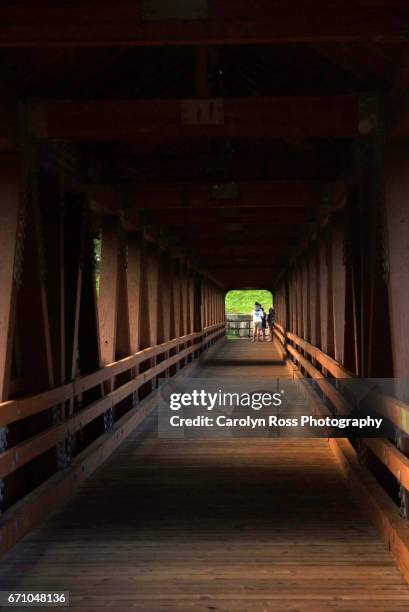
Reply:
x=239, y=307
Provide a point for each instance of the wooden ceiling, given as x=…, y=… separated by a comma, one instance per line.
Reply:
x=112, y=77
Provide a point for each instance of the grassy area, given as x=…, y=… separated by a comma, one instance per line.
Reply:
x=242, y=301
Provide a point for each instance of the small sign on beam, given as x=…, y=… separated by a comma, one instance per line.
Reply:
x=202, y=112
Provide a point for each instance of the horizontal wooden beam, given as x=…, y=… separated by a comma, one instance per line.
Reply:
x=228, y=217
x=270, y=160
x=125, y=23
x=211, y=194
x=231, y=251
x=18, y=409
x=163, y=120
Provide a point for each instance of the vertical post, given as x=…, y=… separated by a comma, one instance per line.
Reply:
x=176, y=297
x=191, y=302
x=324, y=294
x=395, y=259
x=300, y=320
x=205, y=303
x=108, y=291
x=338, y=288
x=88, y=342
x=314, y=276
x=176, y=301
x=152, y=295
x=123, y=342
x=293, y=294
x=134, y=286
x=306, y=298
x=165, y=309
x=11, y=245
x=185, y=302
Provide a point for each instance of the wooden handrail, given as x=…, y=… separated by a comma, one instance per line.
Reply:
x=17, y=409
x=280, y=328
x=17, y=456
x=334, y=367
x=397, y=412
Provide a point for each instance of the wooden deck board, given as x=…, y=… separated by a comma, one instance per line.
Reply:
x=236, y=524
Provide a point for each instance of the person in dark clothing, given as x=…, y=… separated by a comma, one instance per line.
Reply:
x=263, y=324
x=270, y=321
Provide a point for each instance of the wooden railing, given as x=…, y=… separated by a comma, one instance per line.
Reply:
x=238, y=325
x=396, y=411
x=14, y=410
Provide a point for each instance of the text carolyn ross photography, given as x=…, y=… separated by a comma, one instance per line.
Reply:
x=221, y=399
x=274, y=421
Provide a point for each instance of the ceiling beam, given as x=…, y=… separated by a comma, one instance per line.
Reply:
x=123, y=23
x=246, y=160
x=220, y=217
x=219, y=194
x=166, y=120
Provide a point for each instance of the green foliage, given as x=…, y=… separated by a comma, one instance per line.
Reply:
x=242, y=301
x=97, y=261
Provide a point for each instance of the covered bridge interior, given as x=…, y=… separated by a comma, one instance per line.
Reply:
x=154, y=156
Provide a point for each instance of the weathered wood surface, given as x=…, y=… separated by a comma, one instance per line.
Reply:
x=238, y=524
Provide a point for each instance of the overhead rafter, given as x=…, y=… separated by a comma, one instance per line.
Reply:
x=161, y=120
x=123, y=23
x=230, y=218
x=248, y=163
x=217, y=194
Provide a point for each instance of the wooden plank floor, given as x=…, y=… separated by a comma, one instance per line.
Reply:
x=237, y=524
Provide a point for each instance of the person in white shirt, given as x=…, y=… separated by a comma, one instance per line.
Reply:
x=257, y=316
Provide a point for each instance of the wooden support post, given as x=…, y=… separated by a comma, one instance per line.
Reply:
x=32, y=307
x=108, y=288
x=134, y=288
x=123, y=342
x=74, y=245
x=150, y=303
x=290, y=295
x=108, y=294
x=396, y=254
x=184, y=297
x=176, y=297
x=324, y=294
x=33, y=327
x=299, y=299
x=191, y=306
x=396, y=270
x=152, y=283
x=305, y=298
x=204, y=303
x=165, y=299
x=89, y=354
x=165, y=303
x=314, y=276
x=338, y=287
x=11, y=239
x=210, y=298
x=198, y=306
x=191, y=302
x=353, y=263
